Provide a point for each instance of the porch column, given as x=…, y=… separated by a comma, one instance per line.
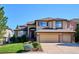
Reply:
x=54, y=25
x=37, y=26
x=37, y=37
x=50, y=24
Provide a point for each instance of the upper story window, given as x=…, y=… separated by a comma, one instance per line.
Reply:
x=58, y=24
x=43, y=24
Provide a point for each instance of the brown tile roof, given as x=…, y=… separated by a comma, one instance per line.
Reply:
x=21, y=27
x=25, y=25
x=30, y=23
x=50, y=18
x=75, y=20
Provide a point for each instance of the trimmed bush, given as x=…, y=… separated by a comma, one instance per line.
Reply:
x=36, y=44
x=28, y=47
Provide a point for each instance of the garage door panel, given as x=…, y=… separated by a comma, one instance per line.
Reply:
x=66, y=38
x=48, y=37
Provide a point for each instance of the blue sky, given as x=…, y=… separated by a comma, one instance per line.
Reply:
x=19, y=14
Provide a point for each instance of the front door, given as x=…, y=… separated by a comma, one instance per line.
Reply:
x=32, y=35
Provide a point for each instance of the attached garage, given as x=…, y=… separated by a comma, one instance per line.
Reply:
x=55, y=37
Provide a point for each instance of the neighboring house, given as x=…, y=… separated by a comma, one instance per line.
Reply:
x=9, y=33
x=75, y=20
x=20, y=31
x=52, y=30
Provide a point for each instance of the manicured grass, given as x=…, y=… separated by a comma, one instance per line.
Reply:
x=11, y=48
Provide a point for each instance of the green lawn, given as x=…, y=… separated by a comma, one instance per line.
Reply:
x=11, y=48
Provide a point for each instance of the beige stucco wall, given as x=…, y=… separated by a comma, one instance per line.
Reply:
x=50, y=24
x=65, y=24
x=54, y=37
x=54, y=24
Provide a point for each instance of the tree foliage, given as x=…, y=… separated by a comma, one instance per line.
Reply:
x=3, y=21
x=77, y=33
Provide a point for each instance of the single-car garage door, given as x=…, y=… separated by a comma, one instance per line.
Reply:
x=66, y=37
x=48, y=37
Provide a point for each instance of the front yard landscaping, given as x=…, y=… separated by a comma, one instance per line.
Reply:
x=20, y=47
x=11, y=48
x=32, y=46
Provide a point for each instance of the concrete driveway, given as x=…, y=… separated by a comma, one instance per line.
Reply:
x=60, y=48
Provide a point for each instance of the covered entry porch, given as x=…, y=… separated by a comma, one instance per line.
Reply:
x=32, y=34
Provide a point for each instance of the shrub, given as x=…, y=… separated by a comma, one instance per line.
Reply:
x=21, y=39
x=24, y=38
x=29, y=42
x=77, y=34
x=12, y=39
x=28, y=47
x=36, y=44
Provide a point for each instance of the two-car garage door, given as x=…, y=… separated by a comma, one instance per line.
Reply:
x=48, y=37
x=54, y=37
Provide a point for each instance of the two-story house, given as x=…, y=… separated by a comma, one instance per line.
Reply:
x=54, y=30
x=51, y=30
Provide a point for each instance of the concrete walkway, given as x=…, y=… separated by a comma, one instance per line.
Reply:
x=60, y=48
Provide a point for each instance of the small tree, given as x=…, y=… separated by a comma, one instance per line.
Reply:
x=77, y=33
x=3, y=21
